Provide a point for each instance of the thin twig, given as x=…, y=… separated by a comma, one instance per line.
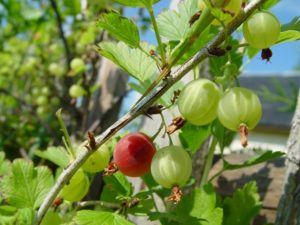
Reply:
x=140, y=107
x=61, y=31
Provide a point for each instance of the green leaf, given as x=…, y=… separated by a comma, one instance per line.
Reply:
x=137, y=3
x=214, y=217
x=11, y=215
x=120, y=27
x=31, y=13
x=251, y=51
x=192, y=136
x=289, y=35
x=265, y=156
x=100, y=218
x=25, y=216
x=199, y=203
x=174, y=25
x=134, y=61
x=143, y=208
x=168, y=218
x=293, y=25
x=70, y=7
x=243, y=206
x=198, y=208
x=269, y=4
x=27, y=186
x=223, y=135
x=5, y=165
x=119, y=183
x=202, y=40
x=7, y=210
x=154, y=187
x=217, y=63
x=57, y=155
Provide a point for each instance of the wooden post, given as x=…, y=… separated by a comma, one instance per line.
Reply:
x=288, y=211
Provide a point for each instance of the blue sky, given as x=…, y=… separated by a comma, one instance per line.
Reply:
x=285, y=56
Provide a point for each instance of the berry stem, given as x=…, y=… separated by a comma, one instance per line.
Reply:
x=157, y=132
x=166, y=128
x=243, y=130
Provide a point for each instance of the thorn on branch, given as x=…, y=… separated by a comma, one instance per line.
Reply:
x=195, y=17
x=132, y=203
x=175, y=96
x=92, y=141
x=216, y=51
x=154, y=109
x=57, y=202
x=152, y=52
x=230, y=12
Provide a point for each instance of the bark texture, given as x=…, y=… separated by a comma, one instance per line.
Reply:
x=288, y=212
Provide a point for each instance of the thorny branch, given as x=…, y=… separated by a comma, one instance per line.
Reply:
x=143, y=105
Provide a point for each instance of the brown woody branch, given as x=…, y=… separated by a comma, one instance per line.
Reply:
x=144, y=104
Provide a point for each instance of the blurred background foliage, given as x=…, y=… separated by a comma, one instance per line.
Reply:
x=38, y=41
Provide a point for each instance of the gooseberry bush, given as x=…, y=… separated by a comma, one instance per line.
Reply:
x=208, y=108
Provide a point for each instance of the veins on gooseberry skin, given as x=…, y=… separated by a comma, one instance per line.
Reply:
x=240, y=110
x=198, y=101
x=261, y=30
x=171, y=167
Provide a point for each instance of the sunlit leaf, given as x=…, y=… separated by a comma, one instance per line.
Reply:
x=100, y=218
x=120, y=27
x=174, y=25
x=27, y=186
x=243, y=206
x=137, y=3
x=134, y=61
x=57, y=155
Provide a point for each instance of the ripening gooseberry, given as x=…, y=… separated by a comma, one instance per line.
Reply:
x=198, y=101
x=77, y=65
x=230, y=7
x=76, y=91
x=98, y=160
x=240, y=110
x=133, y=154
x=77, y=187
x=42, y=100
x=56, y=69
x=261, y=30
x=171, y=166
